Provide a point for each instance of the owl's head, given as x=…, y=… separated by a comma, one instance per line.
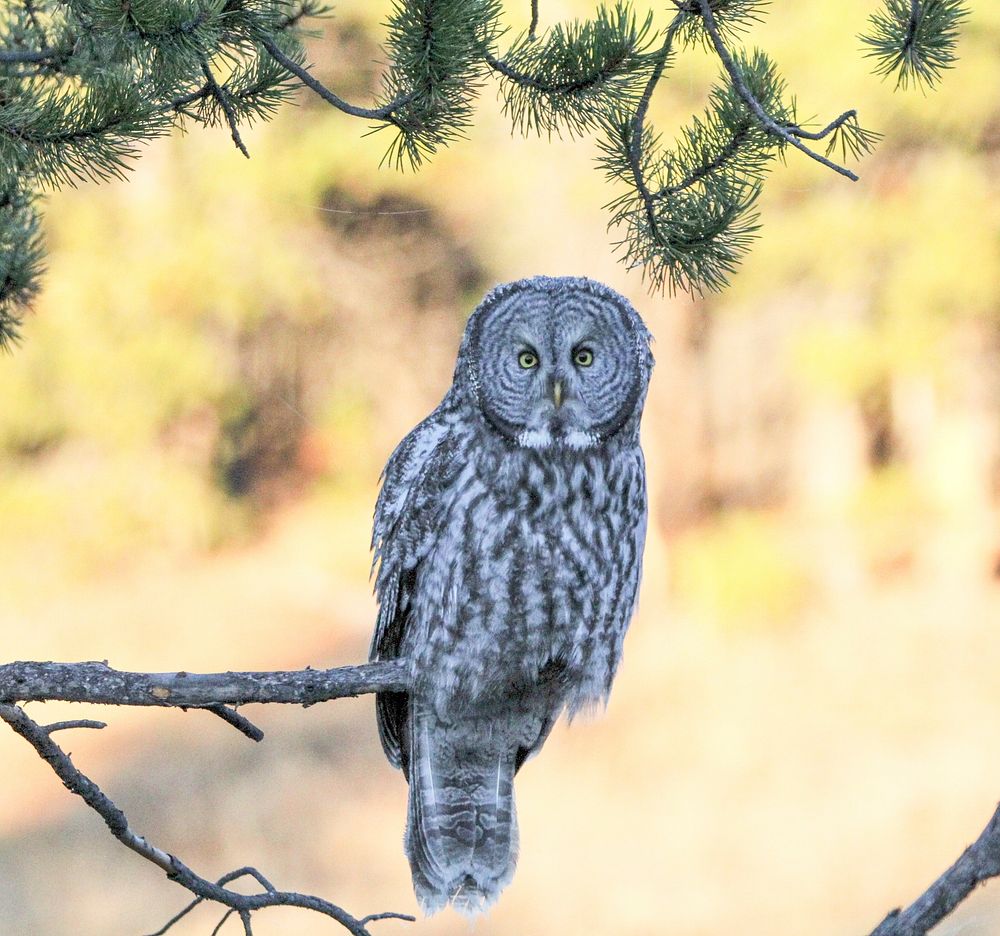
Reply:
x=556, y=362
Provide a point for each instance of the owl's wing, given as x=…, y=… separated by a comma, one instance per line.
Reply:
x=408, y=515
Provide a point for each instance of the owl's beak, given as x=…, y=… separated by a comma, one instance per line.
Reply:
x=557, y=393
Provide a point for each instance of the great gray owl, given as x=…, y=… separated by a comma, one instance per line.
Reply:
x=509, y=533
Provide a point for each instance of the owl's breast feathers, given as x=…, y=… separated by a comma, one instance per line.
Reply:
x=500, y=564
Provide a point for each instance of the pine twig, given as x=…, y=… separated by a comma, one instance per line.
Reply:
x=384, y=112
x=727, y=153
x=533, y=26
x=790, y=135
x=221, y=95
x=531, y=81
x=572, y=77
x=639, y=118
x=17, y=56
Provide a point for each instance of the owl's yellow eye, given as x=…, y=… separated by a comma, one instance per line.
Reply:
x=584, y=357
x=527, y=359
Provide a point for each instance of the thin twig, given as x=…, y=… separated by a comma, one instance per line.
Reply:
x=178, y=104
x=177, y=917
x=518, y=77
x=78, y=723
x=766, y=121
x=638, y=120
x=227, y=878
x=239, y=722
x=827, y=130
x=911, y=27
x=724, y=155
x=247, y=872
x=373, y=113
x=222, y=922
x=29, y=8
x=291, y=20
x=534, y=19
x=11, y=56
x=606, y=68
x=375, y=917
x=221, y=95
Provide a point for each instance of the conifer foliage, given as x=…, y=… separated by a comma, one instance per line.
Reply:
x=83, y=83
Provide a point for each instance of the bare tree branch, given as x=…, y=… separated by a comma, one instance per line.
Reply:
x=39, y=737
x=99, y=683
x=215, y=692
x=979, y=862
x=225, y=879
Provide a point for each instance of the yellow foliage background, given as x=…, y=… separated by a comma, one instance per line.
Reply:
x=803, y=731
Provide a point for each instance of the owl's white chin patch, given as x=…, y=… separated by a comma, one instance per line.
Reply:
x=534, y=438
x=543, y=439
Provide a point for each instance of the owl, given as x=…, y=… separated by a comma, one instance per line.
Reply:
x=508, y=536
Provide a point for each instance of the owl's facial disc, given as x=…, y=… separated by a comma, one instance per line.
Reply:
x=556, y=371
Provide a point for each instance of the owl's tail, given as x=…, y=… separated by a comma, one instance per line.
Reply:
x=461, y=830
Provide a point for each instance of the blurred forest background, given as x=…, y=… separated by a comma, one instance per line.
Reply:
x=804, y=730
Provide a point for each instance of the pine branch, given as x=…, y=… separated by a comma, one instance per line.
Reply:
x=62, y=138
x=915, y=40
x=728, y=143
x=21, y=253
x=437, y=68
x=733, y=17
x=688, y=214
x=633, y=136
x=577, y=72
x=711, y=165
x=78, y=96
x=384, y=112
x=789, y=134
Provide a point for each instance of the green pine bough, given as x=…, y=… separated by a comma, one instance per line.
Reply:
x=84, y=82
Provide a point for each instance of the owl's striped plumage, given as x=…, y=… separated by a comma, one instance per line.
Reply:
x=509, y=534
